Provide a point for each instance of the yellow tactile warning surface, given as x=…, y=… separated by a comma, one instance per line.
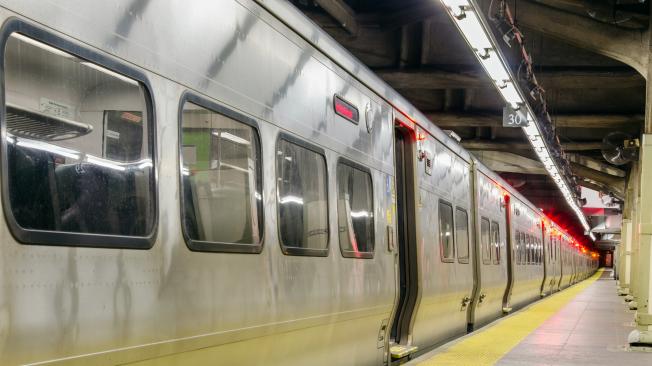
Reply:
x=491, y=343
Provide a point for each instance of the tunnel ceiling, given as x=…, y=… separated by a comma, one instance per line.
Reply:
x=584, y=53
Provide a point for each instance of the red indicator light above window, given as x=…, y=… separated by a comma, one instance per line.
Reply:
x=346, y=109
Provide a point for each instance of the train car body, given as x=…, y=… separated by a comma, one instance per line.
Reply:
x=221, y=183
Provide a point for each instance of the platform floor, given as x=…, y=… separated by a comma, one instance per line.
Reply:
x=586, y=324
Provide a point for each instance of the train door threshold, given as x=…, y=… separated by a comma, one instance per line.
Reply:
x=401, y=352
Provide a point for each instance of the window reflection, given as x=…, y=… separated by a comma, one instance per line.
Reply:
x=221, y=178
x=302, y=198
x=78, y=150
x=355, y=210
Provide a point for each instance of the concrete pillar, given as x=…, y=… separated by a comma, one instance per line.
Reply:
x=635, y=259
x=642, y=240
x=627, y=232
x=624, y=257
x=642, y=276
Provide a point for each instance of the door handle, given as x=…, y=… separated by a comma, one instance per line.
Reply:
x=465, y=302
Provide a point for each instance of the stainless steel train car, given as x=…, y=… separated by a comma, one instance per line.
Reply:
x=221, y=183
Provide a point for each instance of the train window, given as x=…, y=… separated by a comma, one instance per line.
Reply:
x=522, y=248
x=495, y=241
x=462, y=235
x=302, y=197
x=528, y=249
x=446, y=238
x=355, y=211
x=486, y=241
x=221, y=182
x=78, y=148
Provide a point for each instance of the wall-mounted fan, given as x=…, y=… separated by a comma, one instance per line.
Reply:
x=619, y=148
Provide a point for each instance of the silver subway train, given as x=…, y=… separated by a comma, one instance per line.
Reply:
x=219, y=182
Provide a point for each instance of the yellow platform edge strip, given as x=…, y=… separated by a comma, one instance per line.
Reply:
x=493, y=342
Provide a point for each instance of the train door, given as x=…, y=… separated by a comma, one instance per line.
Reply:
x=547, y=269
x=511, y=267
x=407, y=251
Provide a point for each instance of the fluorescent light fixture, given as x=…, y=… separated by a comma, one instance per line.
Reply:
x=464, y=15
x=456, y=6
x=104, y=162
x=41, y=45
x=511, y=95
x=291, y=199
x=358, y=214
x=109, y=72
x=473, y=31
x=234, y=167
x=495, y=68
x=231, y=137
x=145, y=164
x=44, y=146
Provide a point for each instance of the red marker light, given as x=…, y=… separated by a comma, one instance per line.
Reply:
x=346, y=109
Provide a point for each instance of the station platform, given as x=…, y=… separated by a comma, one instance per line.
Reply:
x=586, y=324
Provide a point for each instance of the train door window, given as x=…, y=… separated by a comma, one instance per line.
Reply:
x=519, y=249
x=446, y=237
x=495, y=241
x=221, y=181
x=539, y=251
x=302, y=197
x=523, y=249
x=485, y=241
x=462, y=235
x=78, y=148
x=355, y=211
x=528, y=251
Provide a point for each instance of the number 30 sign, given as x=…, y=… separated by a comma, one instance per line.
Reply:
x=514, y=118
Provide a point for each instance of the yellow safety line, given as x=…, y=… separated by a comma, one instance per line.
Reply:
x=495, y=341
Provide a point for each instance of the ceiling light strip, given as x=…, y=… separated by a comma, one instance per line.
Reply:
x=477, y=35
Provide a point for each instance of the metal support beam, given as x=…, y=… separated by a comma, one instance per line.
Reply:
x=615, y=183
x=601, y=11
x=596, y=165
x=627, y=46
x=508, y=162
x=341, y=12
x=518, y=145
x=549, y=79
